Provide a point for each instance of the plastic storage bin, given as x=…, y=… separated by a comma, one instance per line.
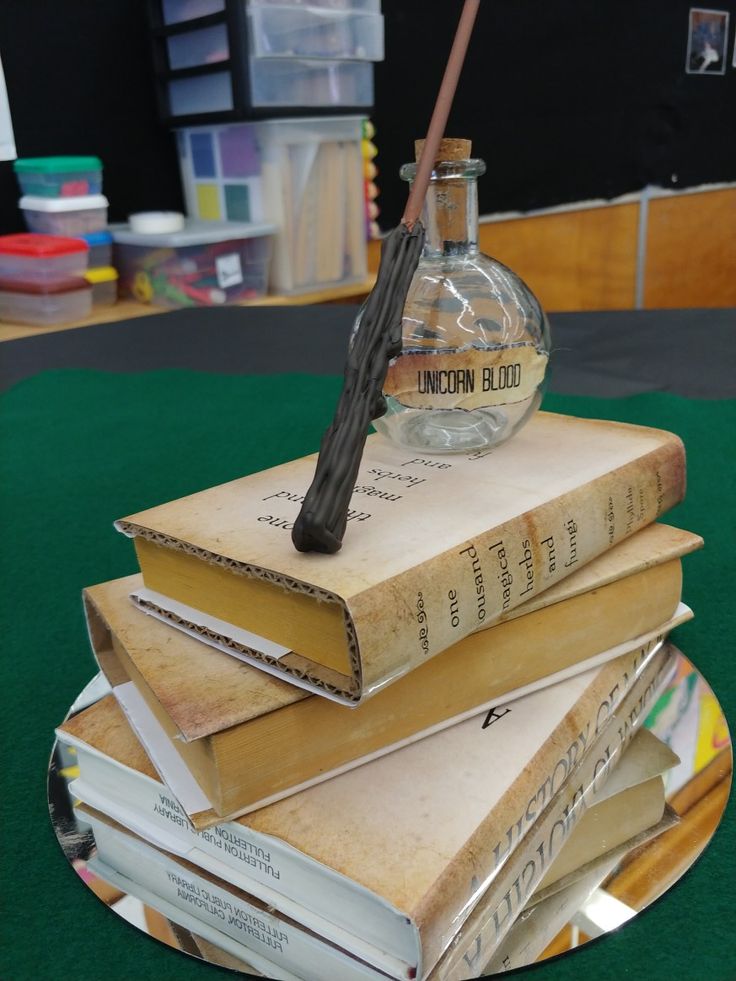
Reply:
x=104, y=283
x=366, y=6
x=203, y=47
x=176, y=11
x=284, y=31
x=286, y=171
x=49, y=259
x=314, y=191
x=277, y=83
x=295, y=82
x=206, y=264
x=65, y=216
x=237, y=60
x=43, y=305
x=100, y=248
x=59, y=177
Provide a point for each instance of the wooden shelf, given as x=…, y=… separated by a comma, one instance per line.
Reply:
x=128, y=309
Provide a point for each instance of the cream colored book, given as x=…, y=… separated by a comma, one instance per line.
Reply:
x=385, y=860
x=436, y=548
x=498, y=902
x=228, y=721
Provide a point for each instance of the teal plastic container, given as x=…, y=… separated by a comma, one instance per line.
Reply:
x=59, y=177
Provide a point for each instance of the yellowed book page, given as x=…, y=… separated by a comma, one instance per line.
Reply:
x=495, y=529
x=202, y=690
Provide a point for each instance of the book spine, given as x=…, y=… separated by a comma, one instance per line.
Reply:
x=505, y=894
x=229, y=911
x=471, y=586
x=261, y=866
x=505, y=829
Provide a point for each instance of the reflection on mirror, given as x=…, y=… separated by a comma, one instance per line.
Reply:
x=656, y=813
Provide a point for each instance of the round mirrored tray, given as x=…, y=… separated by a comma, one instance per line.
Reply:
x=583, y=905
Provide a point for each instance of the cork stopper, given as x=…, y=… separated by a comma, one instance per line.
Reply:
x=450, y=196
x=449, y=149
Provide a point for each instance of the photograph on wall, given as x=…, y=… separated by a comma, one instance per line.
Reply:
x=706, y=42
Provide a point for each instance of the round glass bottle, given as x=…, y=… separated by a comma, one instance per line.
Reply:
x=475, y=338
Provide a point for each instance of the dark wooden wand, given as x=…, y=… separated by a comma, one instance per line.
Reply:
x=321, y=523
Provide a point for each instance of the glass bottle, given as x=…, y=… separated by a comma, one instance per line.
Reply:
x=475, y=338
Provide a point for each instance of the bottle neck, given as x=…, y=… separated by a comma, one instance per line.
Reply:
x=450, y=217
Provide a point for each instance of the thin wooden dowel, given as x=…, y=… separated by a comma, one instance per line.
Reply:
x=440, y=113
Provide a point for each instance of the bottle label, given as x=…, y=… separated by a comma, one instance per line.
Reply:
x=466, y=379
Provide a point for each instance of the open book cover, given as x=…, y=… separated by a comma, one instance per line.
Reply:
x=437, y=547
x=388, y=858
x=219, y=713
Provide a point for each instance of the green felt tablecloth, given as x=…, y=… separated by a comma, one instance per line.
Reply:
x=79, y=449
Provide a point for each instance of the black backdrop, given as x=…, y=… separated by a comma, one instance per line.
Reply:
x=565, y=100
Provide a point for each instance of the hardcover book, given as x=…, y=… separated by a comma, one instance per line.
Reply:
x=438, y=547
x=523, y=869
x=229, y=721
x=387, y=860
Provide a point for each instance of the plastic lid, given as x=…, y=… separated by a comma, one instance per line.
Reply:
x=156, y=222
x=101, y=274
x=84, y=202
x=96, y=238
x=194, y=233
x=37, y=246
x=56, y=165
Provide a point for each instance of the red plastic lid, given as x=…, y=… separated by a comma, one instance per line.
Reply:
x=32, y=245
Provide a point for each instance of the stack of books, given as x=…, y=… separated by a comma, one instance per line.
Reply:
x=367, y=765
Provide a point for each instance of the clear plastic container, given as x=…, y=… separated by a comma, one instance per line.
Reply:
x=199, y=47
x=100, y=248
x=72, y=216
x=104, y=283
x=367, y=6
x=314, y=192
x=277, y=82
x=278, y=31
x=176, y=11
x=297, y=82
x=44, y=309
x=29, y=258
x=208, y=263
x=59, y=177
